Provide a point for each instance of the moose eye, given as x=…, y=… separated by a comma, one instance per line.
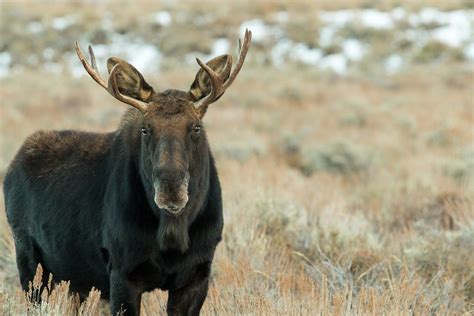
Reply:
x=144, y=131
x=197, y=129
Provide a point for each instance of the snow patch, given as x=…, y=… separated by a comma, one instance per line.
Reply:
x=280, y=51
x=398, y=14
x=353, y=49
x=48, y=53
x=455, y=27
x=162, y=18
x=337, y=18
x=5, y=61
x=376, y=19
x=310, y=56
x=281, y=17
x=63, y=22
x=260, y=31
x=335, y=62
x=393, y=63
x=326, y=35
x=34, y=27
x=220, y=47
x=469, y=51
x=144, y=57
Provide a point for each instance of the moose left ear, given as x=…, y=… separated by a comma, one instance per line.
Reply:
x=202, y=84
x=129, y=80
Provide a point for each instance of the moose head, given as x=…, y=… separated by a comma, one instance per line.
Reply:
x=173, y=149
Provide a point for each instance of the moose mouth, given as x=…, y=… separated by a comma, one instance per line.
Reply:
x=173, y=203
x=174, y=211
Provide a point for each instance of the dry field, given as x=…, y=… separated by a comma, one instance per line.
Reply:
x=345, y=193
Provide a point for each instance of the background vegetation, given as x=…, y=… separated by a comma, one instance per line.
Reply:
x=345, y=147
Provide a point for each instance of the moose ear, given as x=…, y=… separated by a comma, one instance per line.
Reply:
x=202, y=84
x=130, y=81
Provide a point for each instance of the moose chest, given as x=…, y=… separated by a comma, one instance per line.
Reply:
x=164, y=271
x=147, y=266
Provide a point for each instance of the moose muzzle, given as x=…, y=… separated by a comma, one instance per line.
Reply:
x=171, y=190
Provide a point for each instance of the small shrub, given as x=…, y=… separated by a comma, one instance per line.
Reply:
x=435, y=50
x=337, y=157
x=438, y=137
x=354, y=119
x=241, y=150
x=461, y=168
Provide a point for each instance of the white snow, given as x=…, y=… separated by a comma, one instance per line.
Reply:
x=48, y=53
x=455, y=27
x=220, y=47
x=452, y=28
x=368, y=17
x=469, y=51
x=337, y=18
x=162, y=18
x=457, y=30
x=310, y=56
x=281, y=17
x=280, y=51
x=393, y=63
x=260, y=31
x=376, y=19
x=63, y=22
x=326, y=35
x=353, y=49
x=335, y=62
x=399, y=14
x=144, y=57
x=5, y=61
x=34, y=27
x=299, y=52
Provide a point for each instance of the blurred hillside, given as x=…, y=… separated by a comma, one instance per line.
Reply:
x=366, y=39
x=345, y=147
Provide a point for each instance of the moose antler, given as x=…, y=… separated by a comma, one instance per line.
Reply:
x=218, y=86
x=112, y=86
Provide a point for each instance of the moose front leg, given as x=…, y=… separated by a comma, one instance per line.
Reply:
x=189, y=299
x=124, y=297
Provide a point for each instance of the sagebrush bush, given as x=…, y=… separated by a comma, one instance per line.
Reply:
x=337, y=157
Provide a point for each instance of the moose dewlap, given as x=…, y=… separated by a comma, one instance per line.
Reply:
x=128, y=211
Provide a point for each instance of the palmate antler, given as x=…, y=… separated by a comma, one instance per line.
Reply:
x=111, y=86
x=217, y=82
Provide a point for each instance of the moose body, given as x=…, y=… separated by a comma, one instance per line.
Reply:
x=129, y=211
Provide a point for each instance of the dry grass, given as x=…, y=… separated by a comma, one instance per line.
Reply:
x=342, y=195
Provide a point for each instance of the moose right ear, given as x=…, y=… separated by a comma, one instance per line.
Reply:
x=202, y=84
x=130, y=81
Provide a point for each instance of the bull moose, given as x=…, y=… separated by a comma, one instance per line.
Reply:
x=129, y=211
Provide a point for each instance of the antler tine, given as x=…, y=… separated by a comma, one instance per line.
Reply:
x=243, y=49
x=218, y=86
x=216, y=81
x=91, y=70
x=141, y=106
x=93, y=62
